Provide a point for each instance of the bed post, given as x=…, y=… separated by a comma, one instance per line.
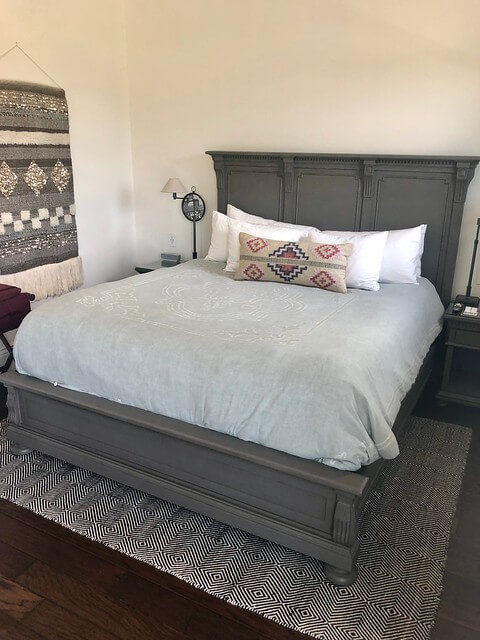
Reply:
x=344, y=532
x=14, y=417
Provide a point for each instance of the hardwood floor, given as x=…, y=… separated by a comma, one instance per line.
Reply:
x=57, y=585
x=459, y=612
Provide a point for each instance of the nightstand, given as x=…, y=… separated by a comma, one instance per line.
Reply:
x=461, y=371
x=152, y=266
x=146, y=268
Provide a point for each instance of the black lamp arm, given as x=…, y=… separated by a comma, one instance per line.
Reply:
x=472, y=265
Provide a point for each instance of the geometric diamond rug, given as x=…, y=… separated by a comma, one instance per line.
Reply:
x=404, y=535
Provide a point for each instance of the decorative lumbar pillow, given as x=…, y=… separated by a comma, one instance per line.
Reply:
x=218, y=250
x=402, y=258
x=363, y=269
x=235, y=227
x=238, y=214
x=293, y=262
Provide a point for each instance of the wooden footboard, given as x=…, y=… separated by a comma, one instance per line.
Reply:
x=298, y=503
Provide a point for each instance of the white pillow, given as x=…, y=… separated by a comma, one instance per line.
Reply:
x=402, y=259
x=238, y=214
x=218, y=250
x=259, y=230
x=363, y=265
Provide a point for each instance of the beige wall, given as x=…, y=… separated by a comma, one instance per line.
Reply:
x=81, y=44
x=311, y=75
x=395, y=76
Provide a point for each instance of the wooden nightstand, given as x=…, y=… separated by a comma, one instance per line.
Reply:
x=461, y=371
x=146, y=268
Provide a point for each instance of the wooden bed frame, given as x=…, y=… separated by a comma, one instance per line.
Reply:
x=301, y=504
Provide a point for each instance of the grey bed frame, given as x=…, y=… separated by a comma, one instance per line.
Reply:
x=301, y=504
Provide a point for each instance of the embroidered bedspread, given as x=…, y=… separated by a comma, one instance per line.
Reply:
x=313, y=373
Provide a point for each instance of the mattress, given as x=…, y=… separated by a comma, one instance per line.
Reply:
x=316, y=374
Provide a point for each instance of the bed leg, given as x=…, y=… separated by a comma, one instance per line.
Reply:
x=18, y=450
x=344, y=532
x=13, y=404
x=341, y=577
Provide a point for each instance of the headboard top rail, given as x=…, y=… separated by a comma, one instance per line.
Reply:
x=345, y=157
x=358, y=192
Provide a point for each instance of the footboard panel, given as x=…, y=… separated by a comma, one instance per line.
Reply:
x=298, y=503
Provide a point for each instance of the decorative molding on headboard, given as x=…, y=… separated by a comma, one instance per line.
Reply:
x=362, y=192
x=368, y=169
x=462, y=182
x=219, y=167
x=342, y=157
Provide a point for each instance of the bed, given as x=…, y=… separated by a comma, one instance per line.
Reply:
x=240, y=430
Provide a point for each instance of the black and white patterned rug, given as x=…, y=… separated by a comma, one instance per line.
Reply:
x=404, y=537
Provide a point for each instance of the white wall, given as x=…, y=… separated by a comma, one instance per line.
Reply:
x=81, y=44
x=307, y=75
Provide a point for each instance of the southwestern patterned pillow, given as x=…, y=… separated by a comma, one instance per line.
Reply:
x=302, y=262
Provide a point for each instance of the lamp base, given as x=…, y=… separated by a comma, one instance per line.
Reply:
x=468, y=301
x=194, y=255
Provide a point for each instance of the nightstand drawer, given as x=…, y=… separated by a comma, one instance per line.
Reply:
x=464, y=338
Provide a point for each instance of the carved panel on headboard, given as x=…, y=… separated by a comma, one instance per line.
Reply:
x=261, y=190
x=355, y=192
x=329, y=195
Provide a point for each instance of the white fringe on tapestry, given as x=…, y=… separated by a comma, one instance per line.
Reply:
x=48, y=279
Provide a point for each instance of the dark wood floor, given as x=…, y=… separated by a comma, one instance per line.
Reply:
x=459, y=612
x=58, y=585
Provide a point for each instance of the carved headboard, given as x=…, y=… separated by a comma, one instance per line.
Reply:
x=355, y=192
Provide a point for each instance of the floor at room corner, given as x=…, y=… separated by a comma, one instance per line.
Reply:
x=58, y=585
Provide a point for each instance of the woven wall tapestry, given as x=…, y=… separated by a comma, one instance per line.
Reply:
x=38, y=234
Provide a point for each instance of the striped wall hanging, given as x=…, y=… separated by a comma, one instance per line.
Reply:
x=38, y=233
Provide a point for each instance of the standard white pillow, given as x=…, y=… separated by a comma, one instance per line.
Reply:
x=259, y=230
x=238, y=214
x=218, y=250
x=402, y=259
x=363, y=265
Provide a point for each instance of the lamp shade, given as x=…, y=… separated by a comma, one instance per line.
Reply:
x=174, y=185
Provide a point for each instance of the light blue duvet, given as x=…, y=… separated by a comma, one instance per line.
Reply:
x=317, y=374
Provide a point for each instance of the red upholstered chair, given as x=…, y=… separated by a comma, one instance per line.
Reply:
x=14, y=306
